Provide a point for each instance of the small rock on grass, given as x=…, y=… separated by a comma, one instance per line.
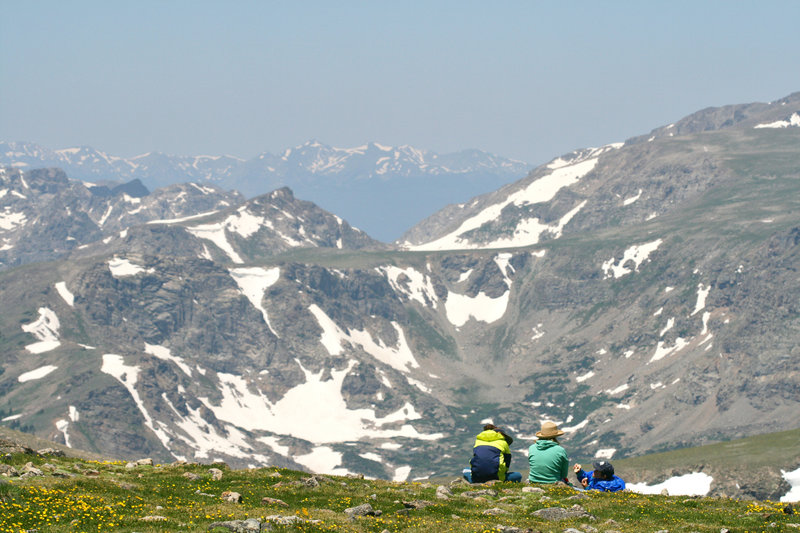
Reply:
x=417, y=504
x=443, y=493
x=233, y=497
x=532, y=489
x=475, y=493
x=52, y=452
x=251, y=525
x=216, y=473
x=495, y=511
x=191, y=476
x=511, y=529
x=273, y=501
x=8, y=471
x=364, y=509
x=559, y=513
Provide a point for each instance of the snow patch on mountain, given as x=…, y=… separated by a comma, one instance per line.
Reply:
x=694, y=484
x=204, y=438
x=702, y=294
x=63, y=426
x=114, y=365
x=663, y=351
x=414, y=284
x=216, y=234
x=123, y=268
x=528, y=230
x=791, y=122
x=605, y=453
x=183, y=219
x=244, y=223
x=636, y=254
x=166, y=355
x=253, y=282
x=67, y=296
x=197, y=433
x=46, y=330
x=793, y=478
x=400, y=357
x=401, y=474
x=632, y=199
x=460, y=307
x=273, y=442
x=317, y=408
x=324, y=460
x=10, y=220
x=39, y=373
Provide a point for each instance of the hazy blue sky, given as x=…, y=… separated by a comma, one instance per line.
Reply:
x=529, y=80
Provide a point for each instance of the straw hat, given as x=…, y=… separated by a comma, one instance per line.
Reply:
x=548, y=431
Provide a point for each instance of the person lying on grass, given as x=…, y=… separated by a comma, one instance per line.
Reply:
x=602, y=478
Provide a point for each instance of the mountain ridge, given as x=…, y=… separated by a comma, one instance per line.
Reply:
x=382, y=189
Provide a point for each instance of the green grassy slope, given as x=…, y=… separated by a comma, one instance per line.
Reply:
x=79, y=494
x=109, y=496
x=780, y=450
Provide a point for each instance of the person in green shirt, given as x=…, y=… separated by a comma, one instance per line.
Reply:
x=547, y=459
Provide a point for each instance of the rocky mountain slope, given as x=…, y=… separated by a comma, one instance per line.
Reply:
x=44, y=214
x=382, y=189
x=642, y=295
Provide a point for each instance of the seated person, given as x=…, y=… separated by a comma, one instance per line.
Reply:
x=547, y=459
x=602, y=478
x=491, y=457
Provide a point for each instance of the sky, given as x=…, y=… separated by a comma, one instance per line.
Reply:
x=528, y=80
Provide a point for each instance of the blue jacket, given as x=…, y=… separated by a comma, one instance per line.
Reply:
x=614, y=484
x=491, y=457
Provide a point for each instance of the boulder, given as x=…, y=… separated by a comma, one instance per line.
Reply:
x=417, y=504
x=364, y=509
x=251, y=525
x=8, y=471
x=559, y=513
x=533, y=489
x=273, y=501
x=443, y=493
x=51, y=451
x=233, y=497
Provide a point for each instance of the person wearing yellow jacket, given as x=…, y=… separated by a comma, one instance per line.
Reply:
x=491, y=457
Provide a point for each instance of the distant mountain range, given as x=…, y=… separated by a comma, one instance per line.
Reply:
x=643, y=295
x=383, y=190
